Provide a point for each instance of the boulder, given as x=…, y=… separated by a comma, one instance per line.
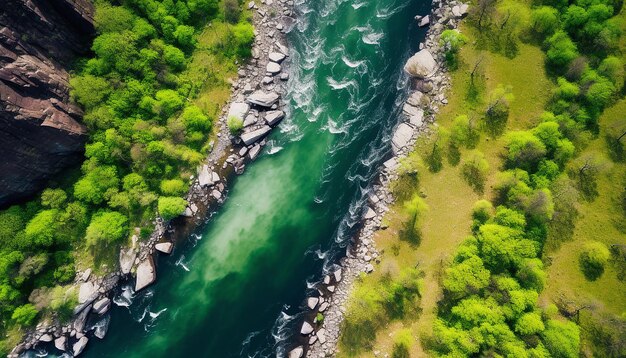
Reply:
x=102, y=305
x=337, y=275
x=127, y=258
x=311, y=302
x=321, y=335
x=416, y=99
x=297, y=352
x=421, y=65
x=254, y=152
x=281, y=48
x=324, y=306
x=146, y=274
x=80, y=345
x=215, y=178
x=401, y=136
x=273, y=117
x=238, y=109
x=370, y=214
x=45, y=338
x=306, y=328
x=460, y=10
x=164, y=247
x=273, y=68
x=424, y=21
x=60, y=342
x=204, y=177
x=101, y=327
x=277, y=57
x=81, y=319
x=250, y=120
x=86, y=291
x=255, y=135
x=264, y=99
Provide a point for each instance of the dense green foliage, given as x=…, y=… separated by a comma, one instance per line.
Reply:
x=491, y=288
x=145, y=140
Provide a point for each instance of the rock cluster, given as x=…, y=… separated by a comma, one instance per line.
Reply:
x=429, y=82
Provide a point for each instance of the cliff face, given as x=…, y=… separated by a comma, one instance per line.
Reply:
x=40, y=131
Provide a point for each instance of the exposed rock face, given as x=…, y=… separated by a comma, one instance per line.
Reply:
x=421, y=65
x=40, y=132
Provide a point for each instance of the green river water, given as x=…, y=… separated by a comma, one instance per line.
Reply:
x=236, y=288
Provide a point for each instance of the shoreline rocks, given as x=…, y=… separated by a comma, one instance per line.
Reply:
x=429, y=83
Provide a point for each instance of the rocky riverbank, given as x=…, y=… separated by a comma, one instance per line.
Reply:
x=256, y=100
x=429, y=82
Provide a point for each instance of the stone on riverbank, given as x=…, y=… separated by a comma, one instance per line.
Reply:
x=264, y=99
x=102, y=305
x=306, y=328
x=60, y=342
x=311, y=302
x=146, y=274
x=273, y=117
x=401, y=137
x=127, y=258
x=253, y=136
x=277, y=57
x=85, y=292
x=164, y=247
x=273, y=68
x=238, y=109
x=79, y=346
x=421, y=65
x=296, y=352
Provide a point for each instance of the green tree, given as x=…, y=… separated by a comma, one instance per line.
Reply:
x=113, y=18
x=25, y=314
x=475, y=169
x=195, y=120
x=171, y=207
x=497, y=111
x=529, y=323
x=402, y=343
x=593, y=259
x=106, y=227
x=561, y=50
x=93, y=187
x=53, y=198
x=89, y=91
x=525, y=150
x=451, y=42
x=416, y=207
x=243, y=35
x=545, y=20
x=174, y=187
x=232, y=11
x=41, y=230
x=562, y=339
x=466, y=277
x=482, y=211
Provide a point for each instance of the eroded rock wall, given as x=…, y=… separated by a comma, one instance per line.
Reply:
x=40, y=131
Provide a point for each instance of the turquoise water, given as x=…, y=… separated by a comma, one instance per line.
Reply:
x=236, y=288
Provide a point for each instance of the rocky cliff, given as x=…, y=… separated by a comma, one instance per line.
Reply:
x=40, y=131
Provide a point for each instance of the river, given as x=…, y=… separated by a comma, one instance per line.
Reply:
x=236, y=287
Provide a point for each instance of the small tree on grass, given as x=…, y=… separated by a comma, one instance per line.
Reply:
x=475, y=169
x=616, y=140
x=497, y=111
x=171, y=207
x=593, y=259
x=416, y=208
x=235, y=125
x=402, y=343
x=451, y=41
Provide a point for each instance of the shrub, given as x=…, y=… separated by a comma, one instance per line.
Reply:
x=24, y=315
x=174, y=187
x=106, y=227
x=482, y=211
x=525, y=150
x=545, y=20
x=402, y=343
x=451, y=41
x=235, y=125
x=593, y=259
x=171, y=207
x=243, y=34
x=475, y=169
x=415, y=208
x=562, y=339
x=53, y=198
x=561, y=50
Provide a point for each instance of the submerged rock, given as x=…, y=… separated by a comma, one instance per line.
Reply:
x=146, y=274
x=421, y=65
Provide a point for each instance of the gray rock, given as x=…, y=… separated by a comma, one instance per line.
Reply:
x=254, y=152
x=45, y=338
x=312, y=340
x=306, y=328
x=324, y=306
x=216, y=194
x=416, y=99
x=102, y=305
x=311, y=302
x=321, y=335
x=331, y=288
x=204, y=177
x=284, y=76
x=264, y=99
x=401, y=137
x=296, y=352
x=424, y=21
x=238, y=109
x=255, y=135
x=85, y=292
x=60, y=342
x=251, y=5
x=164, y=247
x=421, y=65
x=146, y=274
x=81, y=319
x=79, y=346
x=101, y=327
x=370, y=214
x=282, y=48
x=273, y=117
x=215, y=178
x=86, y=274
x=273, y=68
x=267, y=80
x=337, y=274
x=277, y=57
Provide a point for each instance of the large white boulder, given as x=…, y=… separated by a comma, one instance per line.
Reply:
x=296, y=352
x=60, y=342
x=273, y=117
x=127, y=258
x=164, y=247
x=146, y=274
x=79, y=346
x=306, y=328
x=86, y=291
x=421, y=65
x=102, y=305
x=264, y=99
x=277, y=57
x=273, y=68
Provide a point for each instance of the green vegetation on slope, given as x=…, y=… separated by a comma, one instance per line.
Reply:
x=151, y=92
x=530, y=159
